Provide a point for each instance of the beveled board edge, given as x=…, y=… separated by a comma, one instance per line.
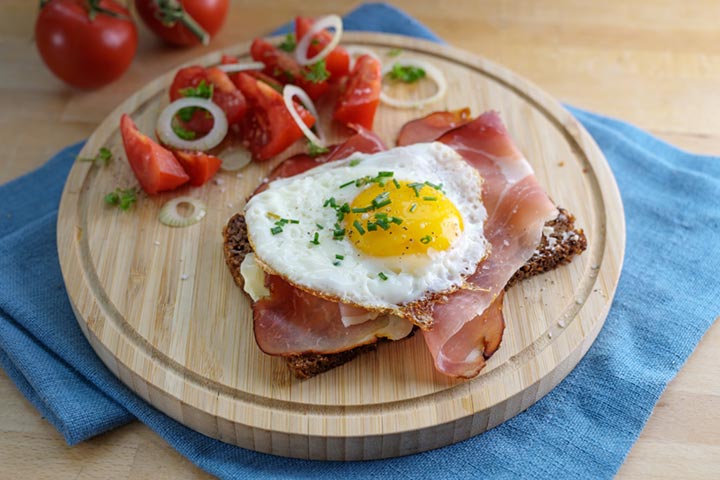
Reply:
x=299, y=436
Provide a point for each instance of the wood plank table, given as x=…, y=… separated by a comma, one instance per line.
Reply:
x=653, y=63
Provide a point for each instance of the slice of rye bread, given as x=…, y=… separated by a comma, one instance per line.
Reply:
x=559, y=243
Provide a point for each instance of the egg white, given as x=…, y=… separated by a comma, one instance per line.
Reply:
x=356, y=278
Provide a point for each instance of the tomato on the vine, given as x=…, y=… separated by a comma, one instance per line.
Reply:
x=183, y=22
x=86, y=43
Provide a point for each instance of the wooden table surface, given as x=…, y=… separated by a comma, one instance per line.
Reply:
x=653, y=63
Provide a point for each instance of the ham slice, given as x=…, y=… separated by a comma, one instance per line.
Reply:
x=291, y=321
x=518, y=208
x=468, y=326
x=432, y=126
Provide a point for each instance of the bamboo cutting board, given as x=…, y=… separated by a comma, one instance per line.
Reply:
x=160, y=308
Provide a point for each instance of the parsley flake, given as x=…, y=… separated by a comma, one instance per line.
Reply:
x=123, y=198
x=103, y=157
x=406, y=73
x=316, y=73
x=289, y=44
x=314, y=149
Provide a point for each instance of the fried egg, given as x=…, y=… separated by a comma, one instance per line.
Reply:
x=380, y=231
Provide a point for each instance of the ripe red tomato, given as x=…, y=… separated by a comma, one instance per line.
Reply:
x=155, y=167
x=284, y=68
x=337, y=61
x=200, y=166
x=176, y=28
x=359, y=101
x=84, y=45
x=268, y=129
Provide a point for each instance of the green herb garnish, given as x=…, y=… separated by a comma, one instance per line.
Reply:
x=347, y=184
x=354, y=162
x=426, y=239
x=103, y=157
x=382, y=276
x=183, y=133
x=417, y=187
x=276, y=230
x=394, y=52
x=289, y=44
x=320, y=226
x=338, y=233
x=314, y=149
x=430, y=199
x=202, y=90
x=413, y=207
x=316, y=239
x=406, y=73
x=340, y=257
x=123, y=198
x=316, y=73
x=359, y=227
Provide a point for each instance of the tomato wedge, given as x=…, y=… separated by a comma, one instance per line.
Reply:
x=268, y=129
x=200, y=166
x=225, y=94
x=282, y=67
x=358, y=102
x=337, y=61
x=230, y=60
x=154, y=166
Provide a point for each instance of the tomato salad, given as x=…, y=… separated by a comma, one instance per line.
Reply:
x=265, y=106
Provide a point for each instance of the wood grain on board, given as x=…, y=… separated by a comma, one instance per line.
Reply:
x=654, y=63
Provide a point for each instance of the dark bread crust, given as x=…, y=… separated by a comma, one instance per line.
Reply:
x=559, y=243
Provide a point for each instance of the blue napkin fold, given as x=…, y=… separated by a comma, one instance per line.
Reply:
x=666, y=300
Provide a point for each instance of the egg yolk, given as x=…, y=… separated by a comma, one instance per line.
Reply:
x=400, y=218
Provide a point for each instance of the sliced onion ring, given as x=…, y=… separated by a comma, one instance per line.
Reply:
x=432, y=72
x=241, y=67
x=234, y=159
x=301, y=50
x=170, y=216
x=168, y=136
x=291, y=91
x=356, y=51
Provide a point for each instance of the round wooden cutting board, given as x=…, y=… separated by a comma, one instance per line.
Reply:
x=160, y=308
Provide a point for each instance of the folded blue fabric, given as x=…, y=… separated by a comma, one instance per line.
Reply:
x=582, y=429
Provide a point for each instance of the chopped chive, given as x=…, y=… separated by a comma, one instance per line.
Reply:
x=315, y=240
x=436, y=187
x=413, y=207
x=397, y=185
x=430, y=199
x=347, y=184
x=383, y=203
x=426, y=239
x=417, y=187
x=354, y=162
x=382, y=276
x=273, y=215
x=371, y=226
x=320, y=226
x=396, y=220
x=385, y=174
x=340, y=257
x=336, y=263
x=295, y=221
x=359, y=227
x=345, y=208
x=338, y=234
x=276, y=230
x=330, y=202
x=362, y=209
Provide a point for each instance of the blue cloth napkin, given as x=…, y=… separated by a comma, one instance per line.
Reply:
x=666, y=300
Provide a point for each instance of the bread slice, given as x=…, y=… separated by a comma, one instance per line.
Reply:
x=559, y=243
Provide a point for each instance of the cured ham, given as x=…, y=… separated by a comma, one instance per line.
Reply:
x=518, y=208
x=291, y=321
x=468, y=324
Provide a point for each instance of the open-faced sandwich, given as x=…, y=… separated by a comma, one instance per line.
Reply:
x=365, y=243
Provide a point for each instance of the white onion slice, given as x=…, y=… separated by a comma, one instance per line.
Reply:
x=290, y=91
x=432, y=72
x=170, y=216
x=356, y=51
x=241, y=67
x=301, y=50
x=167, y=136
x=235, y=159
